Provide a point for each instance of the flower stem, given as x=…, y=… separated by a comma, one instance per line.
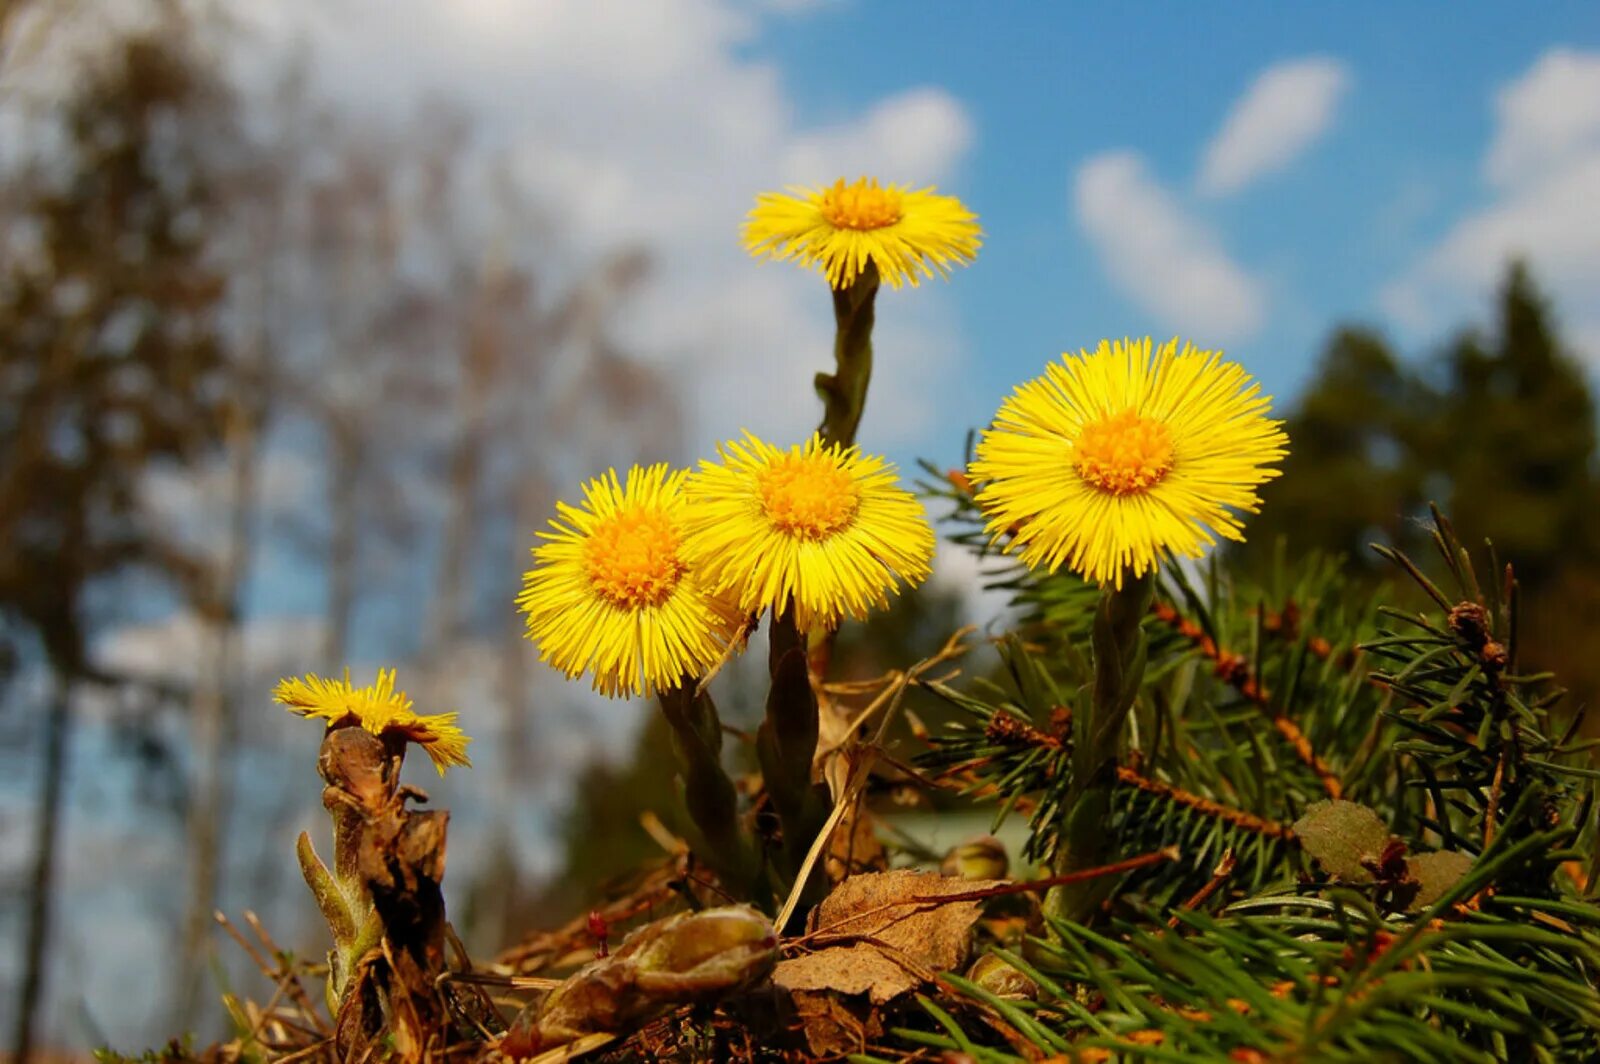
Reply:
x=361, y=773
x=1119, y=657
x=708, y=792
x=844, y=391
x=787, y=742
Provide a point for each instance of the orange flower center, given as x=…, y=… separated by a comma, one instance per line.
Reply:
x=1124, y=453
x=807, y=495
x=632, y=560
x=863, y=205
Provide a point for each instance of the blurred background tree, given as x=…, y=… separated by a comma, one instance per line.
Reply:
x=109, y=359
x=1498, y=429
x=278, y=391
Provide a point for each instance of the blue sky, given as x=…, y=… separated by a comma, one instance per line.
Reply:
x=1404, y=176
x=1050, y=87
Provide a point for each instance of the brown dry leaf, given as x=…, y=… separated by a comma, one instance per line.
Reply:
x=854, y=969
x=891, y=943
x=834, y=1028
x=1435, y=873
x=1343, y=837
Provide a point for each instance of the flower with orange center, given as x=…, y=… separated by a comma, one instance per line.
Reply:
x=840, y=229
x=379, y=709
x=612, y=592
x=822, y=530
x=1112, y=460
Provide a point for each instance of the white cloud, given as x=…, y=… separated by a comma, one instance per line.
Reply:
x=653, y=130
x=1546, y=119
x=1166, y=261
x=1544, y=161
x=922, y=130
x=172, y=648
x=1288, y=107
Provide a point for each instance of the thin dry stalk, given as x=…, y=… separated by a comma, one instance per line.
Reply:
x=896, y=683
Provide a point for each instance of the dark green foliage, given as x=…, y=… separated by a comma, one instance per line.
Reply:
x=1208, y=725
x=1498, y=428
x=1455, y=931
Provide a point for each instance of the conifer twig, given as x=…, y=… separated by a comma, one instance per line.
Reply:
x=1031, y=886
x=1005, y=727
x=1219, y=876
x=1206, y=806
x=1234, y=669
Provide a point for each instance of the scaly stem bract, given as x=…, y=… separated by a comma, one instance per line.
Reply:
x=787, y=742
x=1085, y=837
x=844, y=391
x=708, y=792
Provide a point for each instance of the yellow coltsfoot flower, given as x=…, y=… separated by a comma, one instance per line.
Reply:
x=379, y=709
x=1112, y=460
x=822, y=530
x=612, y=592
x=840, y=229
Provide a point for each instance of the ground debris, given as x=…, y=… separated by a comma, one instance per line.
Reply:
x=877, y=937
x=685, y=958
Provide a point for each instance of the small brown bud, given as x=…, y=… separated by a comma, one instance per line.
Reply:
x=1470, y=622
x=357, y=762
x=1061, y=722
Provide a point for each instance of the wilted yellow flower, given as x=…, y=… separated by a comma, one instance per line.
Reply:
x=839, y=229
x=1111, y=460
x=378, y=708
x=822, y=529
x=612, y=592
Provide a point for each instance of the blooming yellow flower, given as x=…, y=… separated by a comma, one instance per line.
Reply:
x=841, y=228
x=378, y=708
x=822, y=529
x=611, y=591
x=1111, y=460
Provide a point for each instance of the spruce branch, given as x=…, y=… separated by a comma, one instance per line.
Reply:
x=1235, y=669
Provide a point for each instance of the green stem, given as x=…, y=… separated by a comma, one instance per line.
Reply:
x=708, y=792
x=844, y=391
x=1119, y=658
x=786, y=743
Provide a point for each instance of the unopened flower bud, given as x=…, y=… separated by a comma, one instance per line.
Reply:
x=998, y=976
x=978, y=858
x=1470, y=621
